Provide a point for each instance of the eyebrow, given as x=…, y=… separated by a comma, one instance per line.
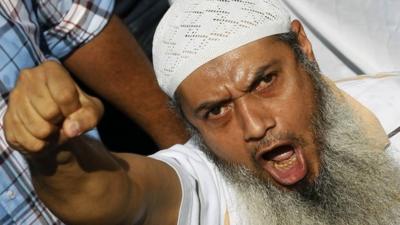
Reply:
x=211, y=104
x=258, y=76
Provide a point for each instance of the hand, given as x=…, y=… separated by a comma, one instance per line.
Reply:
x=47, y=107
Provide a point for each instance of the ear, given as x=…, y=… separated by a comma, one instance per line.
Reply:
x=304, y=43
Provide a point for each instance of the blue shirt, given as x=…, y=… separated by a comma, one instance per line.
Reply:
x=31, y=32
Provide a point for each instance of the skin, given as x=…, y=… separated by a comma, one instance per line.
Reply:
x=83, y=183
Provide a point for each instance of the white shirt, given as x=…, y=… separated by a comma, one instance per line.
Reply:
x=204, y=191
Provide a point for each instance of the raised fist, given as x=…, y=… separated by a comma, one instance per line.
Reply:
x=47, y=107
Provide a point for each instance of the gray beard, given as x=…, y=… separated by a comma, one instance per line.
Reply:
x=357, y=184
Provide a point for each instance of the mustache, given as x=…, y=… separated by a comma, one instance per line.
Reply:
x=283, y=136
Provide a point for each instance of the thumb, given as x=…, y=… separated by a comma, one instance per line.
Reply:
x=72, y=128
x=84, y=119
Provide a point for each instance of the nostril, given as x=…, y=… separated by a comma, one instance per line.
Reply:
x=256, y=130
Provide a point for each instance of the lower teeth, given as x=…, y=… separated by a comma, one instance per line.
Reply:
x=285, y=163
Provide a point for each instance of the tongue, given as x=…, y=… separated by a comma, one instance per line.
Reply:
x=281, y=154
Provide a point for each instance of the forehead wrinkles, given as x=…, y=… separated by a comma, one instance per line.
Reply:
x=232, y=71
x=222, y=75
x=240, y=65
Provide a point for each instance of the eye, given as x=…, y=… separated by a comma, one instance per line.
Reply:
x=265, y=82
x=217, y=112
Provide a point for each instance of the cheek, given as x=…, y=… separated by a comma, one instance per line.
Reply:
x=296, y=112
x=300, y=103
x=296, y=109
x=226, y=143
x=295, y=103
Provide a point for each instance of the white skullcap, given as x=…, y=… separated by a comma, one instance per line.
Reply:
x=193, y=32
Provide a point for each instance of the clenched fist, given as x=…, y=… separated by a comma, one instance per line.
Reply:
x=47, y=107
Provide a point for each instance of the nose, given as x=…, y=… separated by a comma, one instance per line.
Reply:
x=254, y=119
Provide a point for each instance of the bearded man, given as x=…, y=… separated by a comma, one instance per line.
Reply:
x=274, y=142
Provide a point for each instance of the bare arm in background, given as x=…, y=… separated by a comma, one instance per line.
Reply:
x=77, y=178
x=113, y=65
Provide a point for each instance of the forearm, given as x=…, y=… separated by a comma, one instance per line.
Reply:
x=114, y=66
x=84, y=185
x=79, y=180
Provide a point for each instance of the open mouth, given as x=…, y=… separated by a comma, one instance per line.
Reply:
x=285, y=163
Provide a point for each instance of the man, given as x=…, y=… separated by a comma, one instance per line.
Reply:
x=92, y=43
x=274, y=142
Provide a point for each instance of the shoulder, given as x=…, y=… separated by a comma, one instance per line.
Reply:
x=190, y=164
x=203, y=188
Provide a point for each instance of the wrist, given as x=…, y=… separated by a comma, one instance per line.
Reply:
x=47, y=162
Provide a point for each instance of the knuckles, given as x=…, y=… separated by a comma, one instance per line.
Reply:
x=42, y=131
x=66, y=96
x=30, y=75
x=24, y=75
x=51, y=112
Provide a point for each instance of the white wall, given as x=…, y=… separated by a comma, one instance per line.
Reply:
x=352, y=36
